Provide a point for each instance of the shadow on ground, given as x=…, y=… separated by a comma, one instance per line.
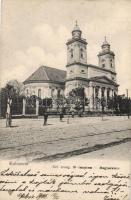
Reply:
x=69, y=154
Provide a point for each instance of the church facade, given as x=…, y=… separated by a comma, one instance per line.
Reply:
x=97, y=81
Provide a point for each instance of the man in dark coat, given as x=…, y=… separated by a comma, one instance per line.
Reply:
x=61, y=115
x=45, y=118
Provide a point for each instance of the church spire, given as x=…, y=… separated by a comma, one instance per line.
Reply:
x=76, y=22
x=76, y=33
x=105, y=43
x=105, y=46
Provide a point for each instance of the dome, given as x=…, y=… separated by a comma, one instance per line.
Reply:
x=76, y=28
x=76, y=33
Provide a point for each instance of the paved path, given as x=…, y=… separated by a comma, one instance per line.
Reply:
x=28, y=138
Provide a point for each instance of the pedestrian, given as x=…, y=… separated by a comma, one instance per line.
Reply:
x=72, y=113
x=61, y=115
x=45, y=118
x=80, y=113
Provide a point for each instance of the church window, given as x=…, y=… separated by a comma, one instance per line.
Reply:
x=81, y=53
x=71, y=53
x=39, y=93
x=111, y=63
x=103, y=65
x=52, y=92
x=27, y=91
x=58, y=94
x=82, y=70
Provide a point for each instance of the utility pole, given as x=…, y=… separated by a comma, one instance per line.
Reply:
x=127, y=93
x=128, y=104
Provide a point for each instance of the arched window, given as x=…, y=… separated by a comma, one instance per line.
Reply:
x=39, y=93
x=111, y=63
x=103, y=65
x=81, y=53
x=71, y=53
x=52, y=92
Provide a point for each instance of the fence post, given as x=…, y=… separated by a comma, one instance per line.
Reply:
x=24, y=103
x=37, y=107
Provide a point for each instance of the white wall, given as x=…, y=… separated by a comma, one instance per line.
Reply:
x=77, y=71
x=45, y=89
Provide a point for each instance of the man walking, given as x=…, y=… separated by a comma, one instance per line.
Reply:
x=45, y=118
x=61, y=115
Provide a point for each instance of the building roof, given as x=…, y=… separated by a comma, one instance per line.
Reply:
x=103, y=79
x=49, y=74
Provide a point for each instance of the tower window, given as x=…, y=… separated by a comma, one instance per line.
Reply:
x=81, y=53
x=103, y=65
x=71, y=53
x=111, y=63
x=82, y=71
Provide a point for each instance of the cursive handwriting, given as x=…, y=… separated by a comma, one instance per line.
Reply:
x=58, y=181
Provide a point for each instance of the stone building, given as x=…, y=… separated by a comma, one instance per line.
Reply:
x=98, y=81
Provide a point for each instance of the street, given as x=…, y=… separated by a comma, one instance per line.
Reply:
x=86, y=137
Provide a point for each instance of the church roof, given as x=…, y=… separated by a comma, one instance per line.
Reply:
x=44, y=73
x=103, y=79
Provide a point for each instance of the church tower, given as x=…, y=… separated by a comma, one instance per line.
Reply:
x=76, y=54
x=77, y=71
x=106, y=57
x=76, y=47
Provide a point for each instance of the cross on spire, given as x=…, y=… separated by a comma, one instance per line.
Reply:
x=76, y=22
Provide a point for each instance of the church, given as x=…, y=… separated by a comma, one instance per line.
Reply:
x=97, y=81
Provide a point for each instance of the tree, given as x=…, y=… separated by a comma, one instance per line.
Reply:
x=13, y=88
x=77, y=98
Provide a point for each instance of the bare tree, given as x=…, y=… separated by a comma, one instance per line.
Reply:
x=13, y=88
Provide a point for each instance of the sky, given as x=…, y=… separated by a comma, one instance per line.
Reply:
x=35, y=32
